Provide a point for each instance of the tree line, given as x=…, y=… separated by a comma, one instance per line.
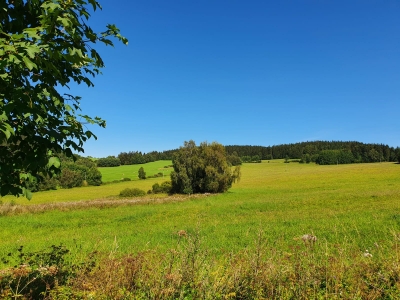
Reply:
x=321, y=152
x=355, y=152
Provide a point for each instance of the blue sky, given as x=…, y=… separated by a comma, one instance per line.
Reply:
x=246, y=73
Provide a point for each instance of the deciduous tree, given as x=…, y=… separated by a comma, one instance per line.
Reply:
x=202, y=169
x=45, y=45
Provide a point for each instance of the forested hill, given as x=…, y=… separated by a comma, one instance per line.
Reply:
x=362, y=152
x=322, y=152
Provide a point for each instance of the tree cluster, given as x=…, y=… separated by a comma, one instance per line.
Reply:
x=77, y=173
x=109, y=161
x=137, y=157
x=202, y=169
x=251, y=159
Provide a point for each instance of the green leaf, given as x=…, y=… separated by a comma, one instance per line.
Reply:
x=7, y=130
x=29, y=64
x=32, y=50
x=54, y=161
x=50, y=6
x=27, y=193
x=14, y=59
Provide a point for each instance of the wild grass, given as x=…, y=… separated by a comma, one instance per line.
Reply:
x=249, y=239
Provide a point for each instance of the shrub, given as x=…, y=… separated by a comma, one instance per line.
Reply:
x=166, y=187
x=126, y=179
x=135, y=192
x=70, y=178
x=156, y=188
x=142, y=173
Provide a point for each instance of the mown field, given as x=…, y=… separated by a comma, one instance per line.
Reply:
x=349, y=208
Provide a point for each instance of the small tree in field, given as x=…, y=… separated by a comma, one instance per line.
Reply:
x=142, y=173
x=202, y=169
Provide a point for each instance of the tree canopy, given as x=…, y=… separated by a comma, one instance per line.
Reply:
x=45, y=45
x=202, y=169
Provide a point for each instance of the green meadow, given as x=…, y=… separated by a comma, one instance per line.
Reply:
x=131, y=171
x=358, y=203
x=353, y=210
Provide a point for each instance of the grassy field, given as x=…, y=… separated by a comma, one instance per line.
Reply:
x=286, y=200
x=106, y=191
x=131, y=171
x=354, y=206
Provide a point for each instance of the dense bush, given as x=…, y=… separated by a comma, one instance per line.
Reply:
x=110, y=161
x=135, y=192
x=165, y=187
x=69, y=178
x=202, y=169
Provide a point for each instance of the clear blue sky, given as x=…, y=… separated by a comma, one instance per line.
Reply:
x=246, y=73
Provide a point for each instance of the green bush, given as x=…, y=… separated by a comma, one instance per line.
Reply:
x=202, y=169
x=166, y=187
x=135, y=192
x=70, y=178
x=156, y=188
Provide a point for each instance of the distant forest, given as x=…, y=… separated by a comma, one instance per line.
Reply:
x=321, y=152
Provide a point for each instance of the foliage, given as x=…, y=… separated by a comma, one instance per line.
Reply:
x=83, y=169
x=136, y=157
x=202, y=169
x=165, y=187
x=109, y=161
x=234, y=159
x=35, y=274
x=306, y=158
x=42, y=183
x=361, y=152
x=45, y=45
x=141, y=173
x=70, y=178
x=333, y=157
x=251, y=159
x=135, y=192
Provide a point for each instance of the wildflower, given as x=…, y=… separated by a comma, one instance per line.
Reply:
x=367, y=254
x=309, y=239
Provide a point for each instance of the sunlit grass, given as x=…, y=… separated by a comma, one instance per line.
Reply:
x=131, y=171
x=356, y=204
